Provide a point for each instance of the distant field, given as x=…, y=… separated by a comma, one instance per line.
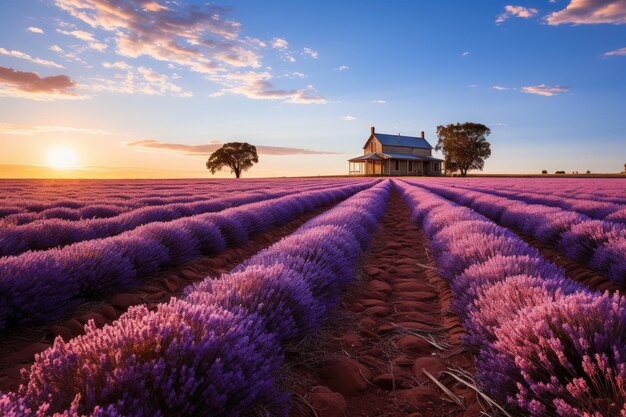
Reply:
x=202, y=297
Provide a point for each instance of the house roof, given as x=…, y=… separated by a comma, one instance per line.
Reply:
x=399, y=140
x=411, y=157
x=377, y=157
x=366, y=157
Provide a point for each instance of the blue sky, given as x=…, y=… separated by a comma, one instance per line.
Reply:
x=305, y=80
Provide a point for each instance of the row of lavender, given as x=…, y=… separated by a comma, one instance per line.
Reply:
x=598, y=244
x=41, y=286
x=46, y=234
x=546, y=345
x=217, y=350
x=611, y=190
x=16, y=209
x=592, y=207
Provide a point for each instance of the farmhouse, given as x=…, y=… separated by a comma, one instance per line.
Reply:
x=395, y=155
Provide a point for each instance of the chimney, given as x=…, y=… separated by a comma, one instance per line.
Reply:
x=422, y=135
x=372, y=130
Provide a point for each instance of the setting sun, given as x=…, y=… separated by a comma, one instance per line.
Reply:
x=62, y=158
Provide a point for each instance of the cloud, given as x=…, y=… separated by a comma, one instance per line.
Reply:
x=349, y=118
x=257, y=86
x=500, y=88
x=120, y=65
x=23, y=84
x=196, y=36
x=343, y=68
x=21, y=130
x=516, y=11
x=142, y=80
x=67, y=55
x=590, y=12
x=621, y=51
x=379, y=101
x=279, y=43
x=34, y=29
x=289, y=58
x=25, y=56
x=212, y=146
x=294, y=74
x=466, y=53
x=544, y=90
x=310, y=52
x=87, y=37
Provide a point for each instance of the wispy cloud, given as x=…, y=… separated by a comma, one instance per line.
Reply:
x=34, y=29
x=544, y=90
x=515, y=11
x=343, y=68
x=310, y=53
x=466, y=53
x=120, y=65
x=294, y=74
x=141, y=80
x=212, y=146
x=257, y=85
x=279, y=43
x=65, y=54
x=22, y=130
x=87, y=37
x=500, y=88
x=621, y=51
x=349, y=118
x=24, y=84
x=25, y=56
x=590, y=12
x=379, y=101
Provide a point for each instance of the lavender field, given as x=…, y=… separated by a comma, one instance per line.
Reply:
x=441, y=296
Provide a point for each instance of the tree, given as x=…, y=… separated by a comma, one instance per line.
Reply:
x=464, y=146
x=237, y=156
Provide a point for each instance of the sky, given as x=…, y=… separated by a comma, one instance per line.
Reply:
x=149, y=88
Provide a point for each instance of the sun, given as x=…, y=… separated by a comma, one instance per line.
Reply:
x=62, y=158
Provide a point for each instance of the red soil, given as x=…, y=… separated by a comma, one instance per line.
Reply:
x=393, y=329
x=18, y=347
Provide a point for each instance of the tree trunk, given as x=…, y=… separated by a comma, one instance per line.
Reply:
x=237, y=173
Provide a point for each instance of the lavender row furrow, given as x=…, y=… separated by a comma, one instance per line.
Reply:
x=600, y=245
x=46, y=234
x=217, y=350
x=41, y=286
x=601, y=210
x=546, y=345
x=595, y=189
x=106, y=207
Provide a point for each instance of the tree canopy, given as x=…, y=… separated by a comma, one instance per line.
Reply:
x=238, y=156
x=464, y=146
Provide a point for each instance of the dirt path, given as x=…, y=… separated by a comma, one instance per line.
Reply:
x=393, y=330
x=18, y=347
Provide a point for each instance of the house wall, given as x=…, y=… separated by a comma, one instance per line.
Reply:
x=373, y=167
x=403, y=167
x=406, y=150
x=373, y=146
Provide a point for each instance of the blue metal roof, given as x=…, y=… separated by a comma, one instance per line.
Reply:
x=411, y=157
x=398, y=140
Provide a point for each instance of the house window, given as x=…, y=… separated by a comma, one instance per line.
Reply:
x=410, y=166
x=397, y=165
